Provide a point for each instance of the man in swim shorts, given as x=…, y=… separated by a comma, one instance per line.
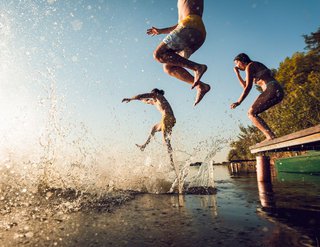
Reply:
x=182, y=41
x=156, y=98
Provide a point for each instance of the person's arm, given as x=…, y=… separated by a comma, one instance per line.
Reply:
x=242, y=82
x=247, y=87
x=139, y=97
x=156, y=31
x=148, y=101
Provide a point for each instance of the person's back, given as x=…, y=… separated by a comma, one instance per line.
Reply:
x=156, y=98
x=189, y=7
x=163, y=105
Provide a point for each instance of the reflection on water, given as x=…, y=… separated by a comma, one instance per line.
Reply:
x=293, y=202
x=266, y=195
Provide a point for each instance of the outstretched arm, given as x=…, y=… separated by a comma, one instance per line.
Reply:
x=148, y=101
x=156, y=31
x=246, y=88
x=139, y=97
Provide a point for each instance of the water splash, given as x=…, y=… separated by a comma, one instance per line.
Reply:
x=203, y=181
x=44, y=150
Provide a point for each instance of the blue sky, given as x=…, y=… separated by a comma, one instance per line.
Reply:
x=97, y=52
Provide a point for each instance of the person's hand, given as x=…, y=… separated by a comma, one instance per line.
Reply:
x=126, y=100
x=236, y=70
x=234, y=105
x=153, y=31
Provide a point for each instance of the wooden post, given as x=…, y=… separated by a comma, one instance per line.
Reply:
x=231, y=168
x=263, y=168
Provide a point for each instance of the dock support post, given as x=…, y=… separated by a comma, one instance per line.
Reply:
x=231, y=168
x=263, y=168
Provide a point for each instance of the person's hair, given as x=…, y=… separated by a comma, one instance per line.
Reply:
x=158, y=91
x=242, y=57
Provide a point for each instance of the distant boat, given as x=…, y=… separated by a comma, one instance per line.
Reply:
x=308, y=163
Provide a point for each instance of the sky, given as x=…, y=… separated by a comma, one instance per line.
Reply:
x=81, y=58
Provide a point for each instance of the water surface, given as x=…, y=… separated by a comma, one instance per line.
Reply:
x=285, y=213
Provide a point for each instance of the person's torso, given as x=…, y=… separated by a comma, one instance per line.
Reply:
x=190, y=15
x=261, y=75
x=189, y=7
x=163, y=106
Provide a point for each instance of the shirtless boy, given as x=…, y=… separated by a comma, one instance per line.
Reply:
x=156, y=98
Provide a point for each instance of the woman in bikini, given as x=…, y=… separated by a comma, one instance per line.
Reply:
x=272, y=94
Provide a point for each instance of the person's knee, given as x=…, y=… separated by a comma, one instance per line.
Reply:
x=168, y=69
x=155, y=129
x=158, y=55
x=252, y=113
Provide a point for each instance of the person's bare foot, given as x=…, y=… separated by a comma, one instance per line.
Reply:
x=268, y=139
x=142, y=147
x=198, y=74
x=202, y=89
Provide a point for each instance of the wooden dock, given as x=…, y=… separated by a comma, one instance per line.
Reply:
x=307, y=139
x=238, y=167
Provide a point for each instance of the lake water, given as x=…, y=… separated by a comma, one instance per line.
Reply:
x=242, y=213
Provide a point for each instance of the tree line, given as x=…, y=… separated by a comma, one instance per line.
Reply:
x=299, y=75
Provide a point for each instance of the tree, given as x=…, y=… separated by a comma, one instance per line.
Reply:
x=313, y=42
x=240, y=148
x=300, y=108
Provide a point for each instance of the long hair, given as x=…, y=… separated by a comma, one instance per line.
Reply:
x=158, y=91
x=242, y=57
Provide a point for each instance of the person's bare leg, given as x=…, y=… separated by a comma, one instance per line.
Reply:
x=178, y=72
x=198, y=74
x=262, y=126
x=169, y=149
x=183, y=75
x=166, y=138
x=154, y=129
x=164, y=55
x=265, y=100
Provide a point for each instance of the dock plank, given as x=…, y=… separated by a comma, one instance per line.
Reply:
x=301, y=140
